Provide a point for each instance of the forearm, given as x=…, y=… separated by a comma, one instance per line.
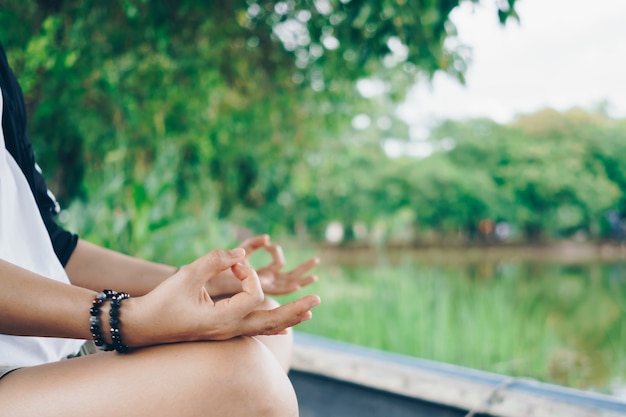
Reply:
x=97, y=268
x=33, y=305
x=177, y=310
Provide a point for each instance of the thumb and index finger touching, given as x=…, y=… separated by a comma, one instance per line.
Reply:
x=218, y=261
x=263, y=241
x=252, y=294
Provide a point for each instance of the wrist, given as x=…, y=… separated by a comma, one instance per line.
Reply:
x=106, y=321
x=136, y=328
x=145, y=325
x=98, y=323
x=131, y=329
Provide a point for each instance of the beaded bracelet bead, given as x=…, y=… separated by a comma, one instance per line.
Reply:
x=114, y=322
x=94, y=319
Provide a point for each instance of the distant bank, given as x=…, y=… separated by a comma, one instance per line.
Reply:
x=561, y=252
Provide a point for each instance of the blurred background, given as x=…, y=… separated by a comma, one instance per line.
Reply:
x=457, y=165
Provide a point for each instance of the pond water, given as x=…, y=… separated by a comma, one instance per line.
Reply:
x=556, y=320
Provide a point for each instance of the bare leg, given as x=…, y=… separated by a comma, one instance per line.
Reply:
x=238, y=377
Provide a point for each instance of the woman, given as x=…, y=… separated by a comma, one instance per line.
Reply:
x=199, y=341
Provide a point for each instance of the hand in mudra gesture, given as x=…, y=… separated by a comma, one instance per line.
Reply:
x=274, y=280
x=181, y=309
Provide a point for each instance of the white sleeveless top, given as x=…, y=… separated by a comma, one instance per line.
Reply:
x=25, y=242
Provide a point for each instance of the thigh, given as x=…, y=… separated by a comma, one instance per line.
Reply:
x=5, y=370
x=235, y=377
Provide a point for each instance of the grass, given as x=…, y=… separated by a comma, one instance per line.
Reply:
x=556, y=323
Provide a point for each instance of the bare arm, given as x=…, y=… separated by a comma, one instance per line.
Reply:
x=33, y=305
x=94, y=267
x=179, y=309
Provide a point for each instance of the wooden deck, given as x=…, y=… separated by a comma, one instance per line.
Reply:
x=338, y=379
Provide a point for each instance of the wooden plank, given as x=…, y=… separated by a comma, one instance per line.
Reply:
x=449, y=385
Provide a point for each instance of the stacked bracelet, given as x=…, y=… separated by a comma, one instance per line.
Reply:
x=114, y=322
x=94, y=319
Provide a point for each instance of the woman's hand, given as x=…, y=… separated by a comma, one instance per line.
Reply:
x=181, y=309
x=273, y=279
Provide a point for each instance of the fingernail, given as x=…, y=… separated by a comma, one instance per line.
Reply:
x=237, y=253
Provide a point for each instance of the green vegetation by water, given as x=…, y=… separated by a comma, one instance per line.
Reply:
x=563, y=324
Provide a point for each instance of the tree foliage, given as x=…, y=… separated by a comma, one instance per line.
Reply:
x=151, y=111
x=552, y=170
x=238, y=85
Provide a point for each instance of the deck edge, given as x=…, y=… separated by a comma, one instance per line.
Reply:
x=447, y=384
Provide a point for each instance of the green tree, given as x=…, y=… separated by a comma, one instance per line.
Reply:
x=554, y=171
x=216, y=77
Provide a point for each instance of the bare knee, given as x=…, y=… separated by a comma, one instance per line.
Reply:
x=254, y=383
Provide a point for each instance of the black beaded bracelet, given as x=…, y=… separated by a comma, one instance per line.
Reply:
x=94, y=319
x=114, y=321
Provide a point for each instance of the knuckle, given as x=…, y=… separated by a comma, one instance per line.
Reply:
x=217, y=256
x=272, y=325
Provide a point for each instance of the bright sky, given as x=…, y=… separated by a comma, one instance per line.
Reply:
x=563, y=53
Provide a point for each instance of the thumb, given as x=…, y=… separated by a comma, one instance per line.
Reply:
x=216, y=261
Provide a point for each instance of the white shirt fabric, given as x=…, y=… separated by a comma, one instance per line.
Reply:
x=25, y=242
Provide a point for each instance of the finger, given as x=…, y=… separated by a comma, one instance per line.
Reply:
x=304, y=267
x=209, y=265
x=274, y=328
x=278, y=257
x=283, y=287
x=255, y=242
x=251, y=295
x=304, y=317
x=279, y=319
x=262, y=323
x=308, y=280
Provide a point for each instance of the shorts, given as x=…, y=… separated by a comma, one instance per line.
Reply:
x=4, y=370
x=88, y=348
